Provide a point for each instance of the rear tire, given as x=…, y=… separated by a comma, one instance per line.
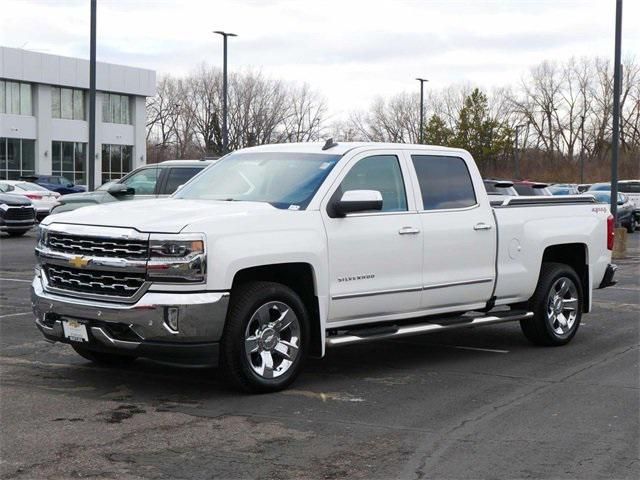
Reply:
x=266, y=337
x=557, y=306
x=104, y=358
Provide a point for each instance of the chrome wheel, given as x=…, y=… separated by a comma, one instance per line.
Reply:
x=272, y=340
x=562, y=305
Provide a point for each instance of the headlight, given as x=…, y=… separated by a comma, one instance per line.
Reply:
x=177, y=258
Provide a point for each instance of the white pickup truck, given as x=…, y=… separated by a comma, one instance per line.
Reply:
x=278, y=252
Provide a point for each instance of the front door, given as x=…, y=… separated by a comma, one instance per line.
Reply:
x=375, y=258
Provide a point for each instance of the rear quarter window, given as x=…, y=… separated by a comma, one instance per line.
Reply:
x=445, y=182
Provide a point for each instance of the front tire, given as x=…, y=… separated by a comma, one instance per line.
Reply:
x=266, y=337
x=104, y=358
x=557, y=306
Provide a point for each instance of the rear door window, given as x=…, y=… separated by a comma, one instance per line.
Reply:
x=178, y=176
x=445, y=182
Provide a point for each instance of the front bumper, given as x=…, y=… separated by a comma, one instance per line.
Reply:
x=16, y=225
x=139, y=329
x=609, y=273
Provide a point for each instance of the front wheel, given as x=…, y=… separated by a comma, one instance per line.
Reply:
x=632, y=226
x=557, y=306
x=266, y=337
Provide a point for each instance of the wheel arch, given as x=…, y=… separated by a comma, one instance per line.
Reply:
x=575, y=255
x=301, y=278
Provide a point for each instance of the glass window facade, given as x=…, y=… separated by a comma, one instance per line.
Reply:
x=69, y=159
x=115, y=108
x=17, y=158
x=67, y=103
x=15, y=98
x=116, y=161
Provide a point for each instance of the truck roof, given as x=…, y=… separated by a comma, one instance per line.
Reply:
x=340, y=148
x=185, y=163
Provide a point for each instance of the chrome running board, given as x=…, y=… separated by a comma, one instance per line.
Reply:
x=394, y=331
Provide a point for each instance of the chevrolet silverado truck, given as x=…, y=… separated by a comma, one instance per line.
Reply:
x=278, y=252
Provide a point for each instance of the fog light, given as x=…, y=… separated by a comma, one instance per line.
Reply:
x=172, y=318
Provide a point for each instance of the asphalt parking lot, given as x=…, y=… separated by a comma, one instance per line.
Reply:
x=465, y=404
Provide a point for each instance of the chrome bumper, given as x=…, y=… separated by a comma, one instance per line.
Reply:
x=141, y=328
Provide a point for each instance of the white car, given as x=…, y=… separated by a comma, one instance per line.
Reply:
x=43, y=200
x=280, y=251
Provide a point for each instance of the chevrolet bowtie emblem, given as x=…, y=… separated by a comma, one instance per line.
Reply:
x=79, y=262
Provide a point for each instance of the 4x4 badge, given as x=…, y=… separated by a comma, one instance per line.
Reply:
x=79, y=262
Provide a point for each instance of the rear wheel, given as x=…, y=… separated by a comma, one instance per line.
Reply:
x=266, y=337
x=104, y=358
x=557, y=306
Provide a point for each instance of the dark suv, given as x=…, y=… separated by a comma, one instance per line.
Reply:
x=17, y=214
x=150, y=181
x=55, y=183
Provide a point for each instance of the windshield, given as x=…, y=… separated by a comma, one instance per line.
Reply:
x=601, y=197
x=285, y=180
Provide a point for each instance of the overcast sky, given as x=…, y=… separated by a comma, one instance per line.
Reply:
x=350, y=50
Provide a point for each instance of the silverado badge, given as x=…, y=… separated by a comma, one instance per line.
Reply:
x=79, y=261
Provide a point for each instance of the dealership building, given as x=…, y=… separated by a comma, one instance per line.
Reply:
x=44, y=112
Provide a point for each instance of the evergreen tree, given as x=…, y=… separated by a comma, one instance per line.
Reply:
x=437, y=133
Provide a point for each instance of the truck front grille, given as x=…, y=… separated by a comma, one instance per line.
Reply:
x=98, y=246
x=115, y=284
x=20, y=213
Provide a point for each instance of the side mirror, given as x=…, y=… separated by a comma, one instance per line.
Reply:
x=120, y=189
x=620, y=202
x=353, y=201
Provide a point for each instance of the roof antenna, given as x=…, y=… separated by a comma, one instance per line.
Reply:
x=329, y=144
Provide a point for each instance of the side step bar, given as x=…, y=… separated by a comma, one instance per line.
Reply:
x=394, y=331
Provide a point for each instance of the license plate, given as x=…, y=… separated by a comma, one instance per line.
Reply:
x=75, y=331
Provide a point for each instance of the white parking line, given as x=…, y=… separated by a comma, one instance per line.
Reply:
x=16, y=314
x=492, y=350
x=15, y=280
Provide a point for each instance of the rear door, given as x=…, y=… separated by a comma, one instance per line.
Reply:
x=459, y=232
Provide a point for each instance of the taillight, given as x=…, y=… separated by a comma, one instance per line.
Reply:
x=33, y=196
x=611, y=233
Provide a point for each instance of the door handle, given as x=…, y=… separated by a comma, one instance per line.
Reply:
x=482, y=226
x=408, y=231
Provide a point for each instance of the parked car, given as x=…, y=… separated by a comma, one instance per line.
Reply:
x=625, y=209
x=55, y=183
x=280, y=251
x=498, y=190
x=42, y=199
x=630, y=188
x=17, y=215
x=564, y=189
x=151, y=181
x=528, y=188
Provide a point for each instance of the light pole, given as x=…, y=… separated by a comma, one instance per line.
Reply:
x=225, y=132
x=91, y=163
x=582, y=149
x=515, y=152
x=615, y=140
x=421, y=136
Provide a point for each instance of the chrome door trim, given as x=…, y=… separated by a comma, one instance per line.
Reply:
x=457, y=284
x=372, y=293
x=345, y=296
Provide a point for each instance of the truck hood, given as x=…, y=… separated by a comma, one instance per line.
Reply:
x=98, y=196
x=169, y=215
